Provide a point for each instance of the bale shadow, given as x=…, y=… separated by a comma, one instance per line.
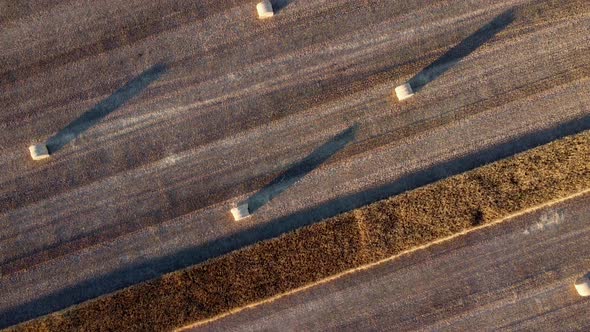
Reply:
x=300, y=169
x=461, y=50
x=154, y=268
x=104, y=108
x=278, y=5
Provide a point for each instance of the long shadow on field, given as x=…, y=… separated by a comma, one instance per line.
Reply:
x=104, y=108
x=154, y=268
x=461, y=50
x=278, y=5
x=300, y=169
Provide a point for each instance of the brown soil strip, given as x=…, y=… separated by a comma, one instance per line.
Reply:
x=350, y=240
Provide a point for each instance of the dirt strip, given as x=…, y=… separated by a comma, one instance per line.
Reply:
x=347, y=241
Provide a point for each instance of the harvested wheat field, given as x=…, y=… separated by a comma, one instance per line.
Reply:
x=351, y=240
x=159, y=117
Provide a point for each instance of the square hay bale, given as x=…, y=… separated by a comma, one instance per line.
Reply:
x=39, y=151
x=404, y=91
x=241, y=212
x=264, y=9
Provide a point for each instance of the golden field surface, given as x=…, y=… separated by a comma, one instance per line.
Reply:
x=160, y=116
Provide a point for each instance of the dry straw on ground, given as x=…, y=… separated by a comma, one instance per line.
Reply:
x=353, y=239
x=349, y=240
